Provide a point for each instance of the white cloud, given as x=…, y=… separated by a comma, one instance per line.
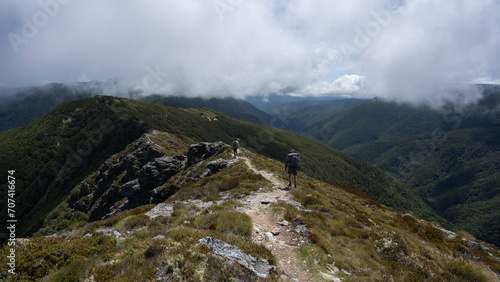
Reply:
x=432, y=46
x=246, y=53
x=227, y=47
x=486, y=80
x=346, y=85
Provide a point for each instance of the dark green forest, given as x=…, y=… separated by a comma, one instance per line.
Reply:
x=448, y=156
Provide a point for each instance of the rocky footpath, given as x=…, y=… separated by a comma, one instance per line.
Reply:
x=133, y=177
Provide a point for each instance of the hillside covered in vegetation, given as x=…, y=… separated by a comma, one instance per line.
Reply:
x=225, y=218
x=449, y=157
x=70, y=142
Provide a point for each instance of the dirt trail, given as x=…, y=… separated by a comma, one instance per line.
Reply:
x=278, y=235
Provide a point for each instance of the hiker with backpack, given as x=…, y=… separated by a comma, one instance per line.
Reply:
x=292, y=164
x=236, y=144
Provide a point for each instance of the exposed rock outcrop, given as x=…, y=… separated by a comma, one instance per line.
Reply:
x=166, y=209
x=202, y=151
x=217, y=165
x=159, y=170
x=233, y=254
x=129, y=179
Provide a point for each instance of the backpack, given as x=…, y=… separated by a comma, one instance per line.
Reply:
x=235, y=145
x=293, y=160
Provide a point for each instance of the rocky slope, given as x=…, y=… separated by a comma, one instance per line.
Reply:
x=137, y=175
x=214, y=217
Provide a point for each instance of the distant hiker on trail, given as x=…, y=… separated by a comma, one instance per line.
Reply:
x=292, y=163
x=236, y=144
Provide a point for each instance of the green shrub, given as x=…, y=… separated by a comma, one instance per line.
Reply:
x=154, y=250
x=180, y=212
x=228, y=183
x=290, y=213
x=311, y=201
x=207, y=221
x=433, y=235
x=232, y=222
x=136, y=221
x=78, y=216
x=75, y=194
x=62, y=224
x=76, y=270
x=43, y=255
x=464, y=271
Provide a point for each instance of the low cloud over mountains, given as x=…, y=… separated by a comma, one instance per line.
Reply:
x=389, y=48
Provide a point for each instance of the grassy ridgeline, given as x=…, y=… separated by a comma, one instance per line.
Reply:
x=54, y=153
x=339, y=227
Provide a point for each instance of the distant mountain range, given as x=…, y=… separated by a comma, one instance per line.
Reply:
x=119, y=189
x=7, y=93
x=448, y=156
x=236, y=108
x=298, y=115
x=21, y=106
x=25, y=105
x=267, y=102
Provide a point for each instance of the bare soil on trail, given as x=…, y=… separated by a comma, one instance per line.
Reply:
x=269, y=229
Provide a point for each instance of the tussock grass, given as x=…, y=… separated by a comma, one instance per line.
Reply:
x=231, y=222
x=468, y=271
x=77, y=270
x=346, y=228
x=371, y=241
x=136, y=221
x=41, y=256
x=139, y=257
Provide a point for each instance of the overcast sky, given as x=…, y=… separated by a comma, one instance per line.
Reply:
x=401, y=49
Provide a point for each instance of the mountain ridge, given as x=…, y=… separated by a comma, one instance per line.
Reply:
x=243, y=213
x=24, y=105
x=236, y=108
x=73, y=139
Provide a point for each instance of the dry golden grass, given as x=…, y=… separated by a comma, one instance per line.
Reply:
x=374, y=242
x=347, y=229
